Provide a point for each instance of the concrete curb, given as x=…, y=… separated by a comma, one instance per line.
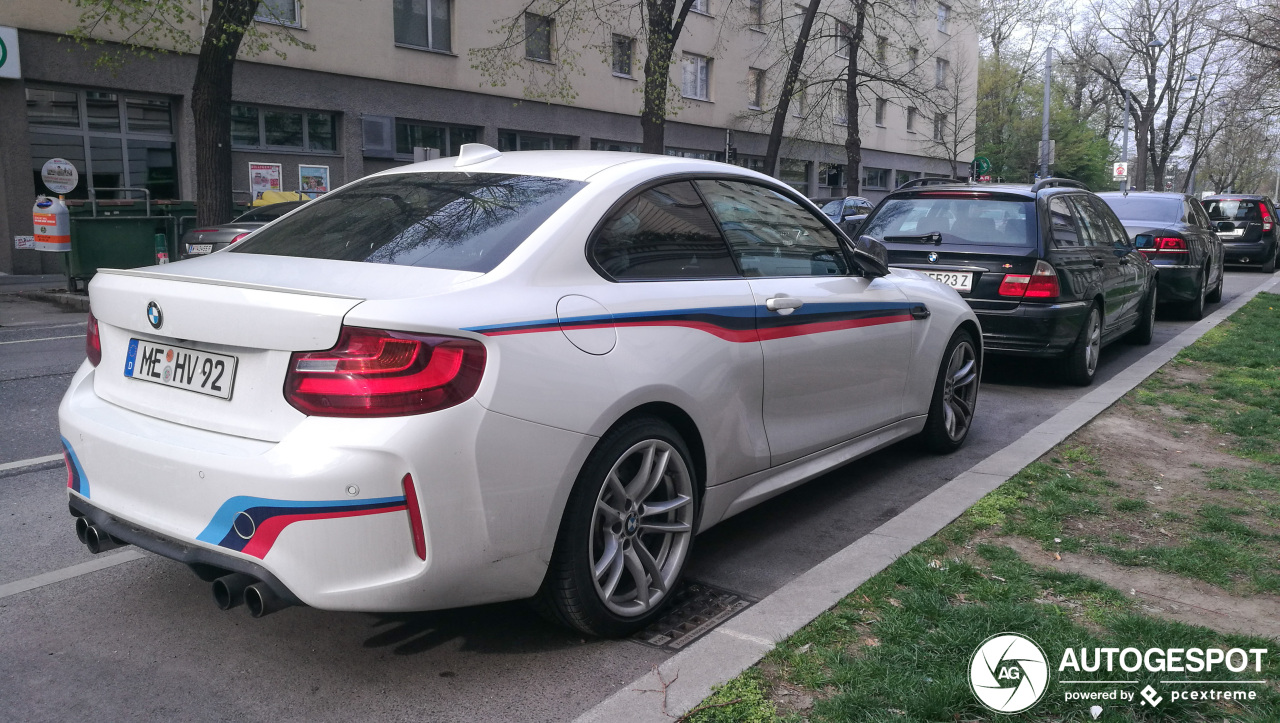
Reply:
x=79, y=302
x=744, y=640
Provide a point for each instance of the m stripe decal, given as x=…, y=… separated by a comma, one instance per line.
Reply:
x=252, y=524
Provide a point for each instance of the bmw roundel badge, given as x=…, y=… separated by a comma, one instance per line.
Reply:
x=933, y=259
x=154, y=315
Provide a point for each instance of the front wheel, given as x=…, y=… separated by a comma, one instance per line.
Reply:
x=626, y=532
x=1082, y=361
x=955, y=395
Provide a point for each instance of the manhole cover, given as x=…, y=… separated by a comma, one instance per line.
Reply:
x=697, y=609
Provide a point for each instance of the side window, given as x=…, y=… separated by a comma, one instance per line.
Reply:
x=1112, y=230
x=1066, y=233
x=664, y=233
x=771, y=235
x=1093, y=230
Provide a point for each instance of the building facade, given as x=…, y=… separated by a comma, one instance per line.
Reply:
x=386, y=76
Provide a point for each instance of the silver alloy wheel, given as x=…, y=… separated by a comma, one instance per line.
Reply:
x=960, y=390
x=1094, y=341
x=641, y=528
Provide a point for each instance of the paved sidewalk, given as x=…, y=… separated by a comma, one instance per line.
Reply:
x=683, y=681
x=14, y=283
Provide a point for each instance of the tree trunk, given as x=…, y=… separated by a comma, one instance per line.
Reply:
x=1140, y=155
x=853, y=113
x=788, y=87
x=211, y=107
x=664, y=28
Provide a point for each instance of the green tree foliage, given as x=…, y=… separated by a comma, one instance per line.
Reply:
x=1008, y=128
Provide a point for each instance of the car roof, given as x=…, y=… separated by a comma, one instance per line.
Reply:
x=569, y=165
x=1144, y=194
x=1229, y=196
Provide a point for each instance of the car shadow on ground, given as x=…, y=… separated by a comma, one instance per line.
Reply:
x=512, y=627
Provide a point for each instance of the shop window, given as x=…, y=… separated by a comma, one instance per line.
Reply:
x=282, y=129
x=446, y=139
x=520, y=141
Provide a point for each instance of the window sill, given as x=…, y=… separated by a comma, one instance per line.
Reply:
x=284, y=151
x=540, y=60
x=699, y=12
x=425, y=49
x=753, y=107
x=757, y=29
x=281, y=23
x=624, y=76
x=880, y=125
x=842, y=123
x=700, y=100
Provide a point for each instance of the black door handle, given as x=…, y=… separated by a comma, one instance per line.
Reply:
x=919, y=311
x=1099, y=263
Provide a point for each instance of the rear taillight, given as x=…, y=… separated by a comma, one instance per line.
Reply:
x=1160, y=245
x=415, y=517
x=376, y=373
x=238, y=237
x=1266, y=217
x=1041, y=283
x=92, y=341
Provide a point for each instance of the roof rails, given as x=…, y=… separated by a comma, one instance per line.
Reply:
x=1057, y=182
x=931, y=181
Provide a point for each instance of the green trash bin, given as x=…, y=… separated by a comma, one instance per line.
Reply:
x=118, y=242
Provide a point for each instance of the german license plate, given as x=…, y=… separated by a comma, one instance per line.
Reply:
x=194, y=249
x=1231, y=234
x=175, y=366
x=958, y=280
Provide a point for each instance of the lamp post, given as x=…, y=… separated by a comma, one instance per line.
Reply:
x=1044, y=123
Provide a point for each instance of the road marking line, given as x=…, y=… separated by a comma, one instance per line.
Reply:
x=47, y=338
x=66, y=573
x=28, y=462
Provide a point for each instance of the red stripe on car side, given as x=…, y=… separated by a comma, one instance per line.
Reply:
x=784, y=332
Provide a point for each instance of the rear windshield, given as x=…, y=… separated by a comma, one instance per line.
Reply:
x=459, y=221
x=963, y=221
x=1232, y=209
x=1138, y=208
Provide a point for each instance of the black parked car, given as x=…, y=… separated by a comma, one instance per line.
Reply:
x=1174, y=232
x=1246, y=225
x=844, y=207
x=1048, y=269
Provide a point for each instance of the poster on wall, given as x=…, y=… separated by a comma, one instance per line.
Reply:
x=264, y=177
x=313, y=180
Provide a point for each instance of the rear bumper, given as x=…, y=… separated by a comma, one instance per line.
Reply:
x=1177, y=283
x=1248, y=252
x=321, y=515
x=1030, y=329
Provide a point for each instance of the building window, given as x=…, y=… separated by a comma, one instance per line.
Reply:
x=448, y=140
x=113, y=140
x=911, y=119
x=755, y=14
x=913, y=58
x=701, y=6
x=795, y=173
x=940, y=127
x=423, y=24
x=694, y=153
x=622, y=52
x=902, y=177
x=755, y=88
x=881, y=105
x=844, y=40
x=941, y=70
x=800, y=100
x=875, y=177
x=696, y=77
x=282, y=129
x=944, y=18
x=521, y=141
x=278, y=12
x=603, y=145
x=841, y=99
x=537, y=37
x=882, y=49
x=755, y=163
x=831, y=174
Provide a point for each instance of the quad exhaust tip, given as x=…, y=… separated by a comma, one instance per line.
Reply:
x=95, y=538
x=262, y=600
x=228, y=590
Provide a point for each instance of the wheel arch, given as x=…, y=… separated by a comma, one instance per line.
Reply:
x=683, y=424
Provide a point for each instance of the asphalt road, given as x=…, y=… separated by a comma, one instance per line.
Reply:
x=144, y=641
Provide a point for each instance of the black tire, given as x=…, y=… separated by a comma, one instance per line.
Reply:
x=571, y=593
x=1215, y=296
x=1269, y=266
x=1081, y=362
x=955, y=395
x=1194, y=309
x=1142, y=333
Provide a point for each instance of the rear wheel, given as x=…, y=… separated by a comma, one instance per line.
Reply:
x=955, y=395
x=1216, y=295
x=1269, y=266
x=626, y=532
x=1082, y=361
x=1194, y=309
x=1145, y=329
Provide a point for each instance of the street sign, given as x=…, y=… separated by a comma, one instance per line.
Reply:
x=1053, y=152
x=1120, y=171
x=981, y=164
x=59, y=175
x=984, y=179
x=10, y=65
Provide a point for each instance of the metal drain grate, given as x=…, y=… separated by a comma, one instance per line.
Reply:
x=697, y=609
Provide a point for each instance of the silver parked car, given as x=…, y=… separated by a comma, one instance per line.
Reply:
x=207, y=239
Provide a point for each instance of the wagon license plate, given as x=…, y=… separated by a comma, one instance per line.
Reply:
x=958, y=280
x=175, y=366
x=194, y=249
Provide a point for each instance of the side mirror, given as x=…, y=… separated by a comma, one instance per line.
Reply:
x=1144, y=241
x=872, y=254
